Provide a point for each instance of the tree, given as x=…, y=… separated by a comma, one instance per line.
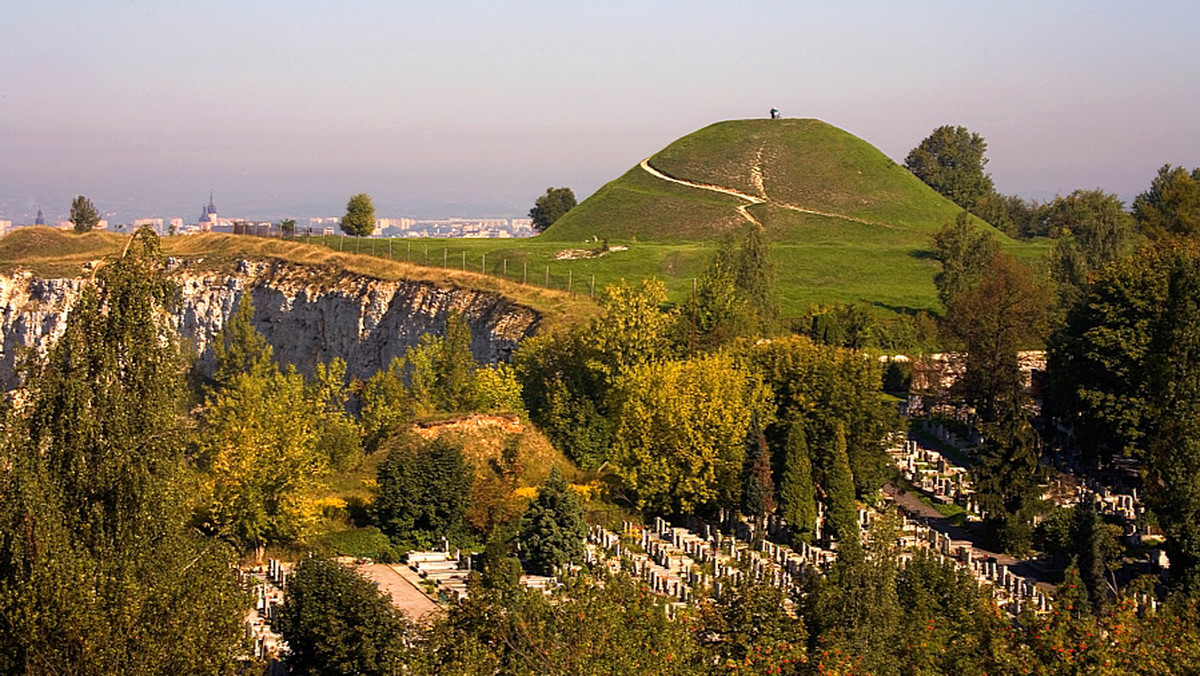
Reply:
x=99, y=572
x=359, y=220
x=1172, y=204
x=1007, y=475
x=680, y=431
x=758, y=487
x=842, y=513
x=83, y=214
x=240, y=348
x=994, y=320
x=951, y=161
x=424, y=491
x=337, y=622
x=755, y=282
x=553, y=530
x=442, y=375
x=550, y=207
x=797, y=495
x=387, y=408
x=287, y=227
x=1093, y=230
x=964, y=251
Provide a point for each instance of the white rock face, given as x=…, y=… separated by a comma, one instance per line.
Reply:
x=309, y=314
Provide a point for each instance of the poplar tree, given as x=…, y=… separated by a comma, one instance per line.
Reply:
x=839, y=489
x=797, y=495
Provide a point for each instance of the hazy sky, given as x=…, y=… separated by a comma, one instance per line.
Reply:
x=474, y=108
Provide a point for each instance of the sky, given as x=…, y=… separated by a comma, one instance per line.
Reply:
x=455, y=108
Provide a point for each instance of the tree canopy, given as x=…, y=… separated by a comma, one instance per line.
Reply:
x=359, y=220
x=550, y=207
x=951, y=161
x=1172, y=204
x=83, y=214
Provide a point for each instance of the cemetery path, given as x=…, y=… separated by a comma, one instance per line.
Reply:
x=756, y=176
x=916, y=509
x=405, y=595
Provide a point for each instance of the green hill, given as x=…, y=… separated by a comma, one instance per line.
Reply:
x=798, y=178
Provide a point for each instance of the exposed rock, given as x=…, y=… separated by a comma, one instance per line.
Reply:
x=310, y=314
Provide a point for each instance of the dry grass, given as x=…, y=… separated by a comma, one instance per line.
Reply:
x=50, y=252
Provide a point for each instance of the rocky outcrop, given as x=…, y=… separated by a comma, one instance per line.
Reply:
x=310, y=314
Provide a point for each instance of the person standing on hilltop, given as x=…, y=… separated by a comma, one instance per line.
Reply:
x=774, y=114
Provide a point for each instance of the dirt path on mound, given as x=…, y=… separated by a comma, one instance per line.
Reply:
x=756, y=175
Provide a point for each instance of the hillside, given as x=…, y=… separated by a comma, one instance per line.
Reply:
x=793, y=176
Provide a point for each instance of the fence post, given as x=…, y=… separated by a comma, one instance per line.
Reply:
x=389, y=248
x=547, y=276
x=570, y=278
x=592, y=292
x=525, y=272
x=483, y=262
x=464, y=261
x=445, y=255
x=505, y=266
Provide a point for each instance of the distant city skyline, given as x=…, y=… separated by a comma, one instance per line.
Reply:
x=473, y=109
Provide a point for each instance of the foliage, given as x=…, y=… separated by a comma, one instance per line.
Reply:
x=497, y=389
x=822, y=388
x=443, y=369
x=550, y=207
x=680, y=426
x=1007, y=475
x=797, y=494
x=842, y=508
x=240, y=348
x=1093, y=230
x=83, y=214
x=993, y=321
x=336, y=622
x=98, y=572
x=965, y=253
x=748, y=629
x=424, y=491
x=553, y=530
x=1098, y=361
x=386, y=406
x=287, y=227
x=1172, y=204
x=950, y=160
x=359, y=220
x=259, y=452
x=758, y=487
x=587, y=626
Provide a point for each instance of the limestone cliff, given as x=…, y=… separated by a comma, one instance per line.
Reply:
x=310, y=314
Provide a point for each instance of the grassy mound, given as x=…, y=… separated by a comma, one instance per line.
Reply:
x=791, y=165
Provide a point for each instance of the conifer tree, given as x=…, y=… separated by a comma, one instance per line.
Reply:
x=553, y=530
x=839, y=489
x=797, y=495
x=758, y=487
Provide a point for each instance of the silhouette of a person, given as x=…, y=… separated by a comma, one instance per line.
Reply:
x=774, y=114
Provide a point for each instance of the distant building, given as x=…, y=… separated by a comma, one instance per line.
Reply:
x=40, y=219
x=5, y=226
x=208, y=214
x=176, y=225
x=155, y=223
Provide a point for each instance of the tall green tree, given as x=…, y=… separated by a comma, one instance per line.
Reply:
x=1172, y=204
x=337, y=622
x=797, y=494
x=442, y=369
x=993, y=321
x=99, y=573
x=1007, y=476
x=964, y=251
x=550, y=207
x=83, y=214
x=387, y=408
x=841, y=505
x=552, y=531
x=359, y=220
x=424, y=491
x=755, y=282
x=1093, y=230
x=951, y=161
x=240, y=348
x=758, y=486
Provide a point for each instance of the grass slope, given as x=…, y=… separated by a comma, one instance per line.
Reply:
x=796, y=162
